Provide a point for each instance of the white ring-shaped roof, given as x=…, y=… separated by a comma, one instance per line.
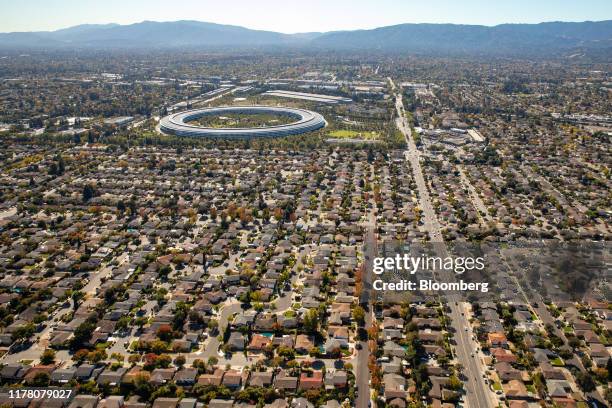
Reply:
x=305, y=121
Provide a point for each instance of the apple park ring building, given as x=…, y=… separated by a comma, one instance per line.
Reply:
x=305, y=121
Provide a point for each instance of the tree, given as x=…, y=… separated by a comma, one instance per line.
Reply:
x=23, y=332
x=82, y=333
x=140, y=321
x=61, y=165
x=134, y=359
x=371, y=156
x=454, y=383
x=180, y=361
x=565, y=354
x=158, y=346
x=80, y=355
x=585, y=381
x=359, y=315
x=586, y=361
x=286, y=352
x=133, y=207
x=163, y=361
x=88, y=192
x=96, y=356
x=213, y=325
x=117, y=356
x=123, y=323
x=164, y=332
x=574, y=342
x=77, y=295
x=41, y=379
x=48, y=357
x=199, y=365
x=311, y=321
x=142, y=385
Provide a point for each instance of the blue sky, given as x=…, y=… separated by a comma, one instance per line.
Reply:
x=290, y=16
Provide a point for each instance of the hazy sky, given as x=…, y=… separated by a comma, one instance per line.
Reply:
x=290, y=16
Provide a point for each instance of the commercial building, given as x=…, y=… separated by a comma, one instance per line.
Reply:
x=305, y=121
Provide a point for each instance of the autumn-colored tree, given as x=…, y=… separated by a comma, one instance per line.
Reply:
x=373, y=332
x=278, y=213
x=80, y=355
x=164, y=332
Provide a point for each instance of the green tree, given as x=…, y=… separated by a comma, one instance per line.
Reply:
x=180, y=361
x=286, y=352
x=123, y=323
x=585, y=381
x=142, y=385
x=48, y=357
x=88, y=192
x=311, y=321
x=41, y=379
x=23, y=332
x=359, y=315
x=82, y=334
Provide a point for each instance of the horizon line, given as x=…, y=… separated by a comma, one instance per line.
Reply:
x=301, y=32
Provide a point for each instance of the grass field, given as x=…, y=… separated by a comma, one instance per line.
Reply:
x=353, y=134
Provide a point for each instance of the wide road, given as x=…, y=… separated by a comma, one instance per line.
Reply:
x=362, y=373
x=478, y=394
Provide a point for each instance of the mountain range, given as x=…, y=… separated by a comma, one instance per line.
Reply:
x=509, y=39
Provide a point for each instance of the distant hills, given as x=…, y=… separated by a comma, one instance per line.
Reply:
x=451, y=38
x=505, y=39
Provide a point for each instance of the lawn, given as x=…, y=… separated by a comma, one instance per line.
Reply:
x=557, y=362
x=353, y=134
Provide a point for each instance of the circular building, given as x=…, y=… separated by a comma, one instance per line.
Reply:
x=305, y=121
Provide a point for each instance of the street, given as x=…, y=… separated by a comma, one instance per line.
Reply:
x=478, y=393
x=362, y=373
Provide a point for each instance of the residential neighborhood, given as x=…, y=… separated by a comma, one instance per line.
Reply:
x=187, y=227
